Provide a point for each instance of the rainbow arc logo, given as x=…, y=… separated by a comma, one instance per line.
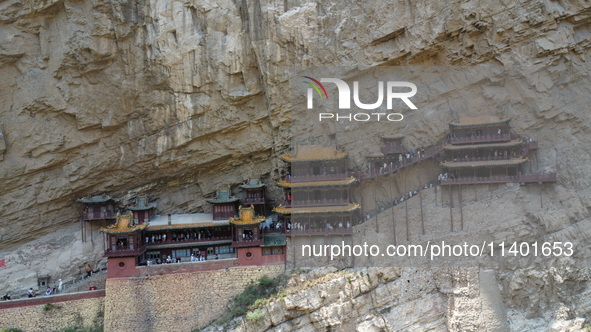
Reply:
x=316, y=85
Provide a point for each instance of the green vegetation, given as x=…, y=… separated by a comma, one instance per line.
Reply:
x=254, y=315
x=12, y=330
x=84, y=329
x=48, y=306
x=252, y=298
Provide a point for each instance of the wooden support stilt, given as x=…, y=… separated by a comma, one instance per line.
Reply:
x=541, y=200
x=377, y=214
x=393, y=226
x=422, y=219
x=407, y=225
x=436, y=185
x=406, y=212
x=392, y=214
x=461, y=210
x=294, y=250
x=451, y=203
x=83, y=229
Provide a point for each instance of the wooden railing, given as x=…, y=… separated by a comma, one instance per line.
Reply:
x=99, y=215
x=522, y=178
x=247, y=243
x=478, y=159
x=319, y=177
x=258, y=200
x=125, y=251
x=191, y=240
x=322, y=231
x=317, y=202
x=480, y=139
x=395, y=166
x=388, y=149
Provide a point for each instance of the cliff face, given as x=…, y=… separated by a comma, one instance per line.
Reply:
x=178, y=97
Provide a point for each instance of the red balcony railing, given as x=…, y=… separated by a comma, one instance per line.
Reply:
x=99, y=215
x=395, y=166
x=319, y=177
x=480, y=139
x=258, y=200
x=522, y=178
x=317, y=202
x=322, y=231
x=478, y=159
x=388, y=149
x=189, y=241
x=121, y=251
x=247, y=243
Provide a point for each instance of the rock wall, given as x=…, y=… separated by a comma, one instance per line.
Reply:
x=176, y=302
x=176, y=98
x=56, y=314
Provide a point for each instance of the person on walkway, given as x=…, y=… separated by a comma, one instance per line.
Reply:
x=60, y=286
x=88, y=271
x=48, y=291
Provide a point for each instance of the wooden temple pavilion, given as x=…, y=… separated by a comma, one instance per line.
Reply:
x=390, y=153
x=317, y=193
x=224, y=205
x=138, y=238
x=253, y=247
x=483, y=150
x=123, y=242
x=255, y=196
x=97, y=209
x=141, y=209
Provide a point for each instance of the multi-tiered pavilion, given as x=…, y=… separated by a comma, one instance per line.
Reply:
x=317, y=192
x=98, y=209
x=483, y=150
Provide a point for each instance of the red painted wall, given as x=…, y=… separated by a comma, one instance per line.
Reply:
x=119, y=267
x=257, y=258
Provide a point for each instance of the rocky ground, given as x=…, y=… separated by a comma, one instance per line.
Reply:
x=507, y=294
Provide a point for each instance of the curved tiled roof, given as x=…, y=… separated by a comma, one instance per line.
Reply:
x=509, y=144
x=392, y=136
x=484, y=163
x=252, y=184
x=320, y=209
x=246, y=217
x=375, y=155
x=343, y=182
x=479, y=121
x=141, y=203
x=224, y=196
x=124, y=225
x=314, y=152
x=100, y=198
